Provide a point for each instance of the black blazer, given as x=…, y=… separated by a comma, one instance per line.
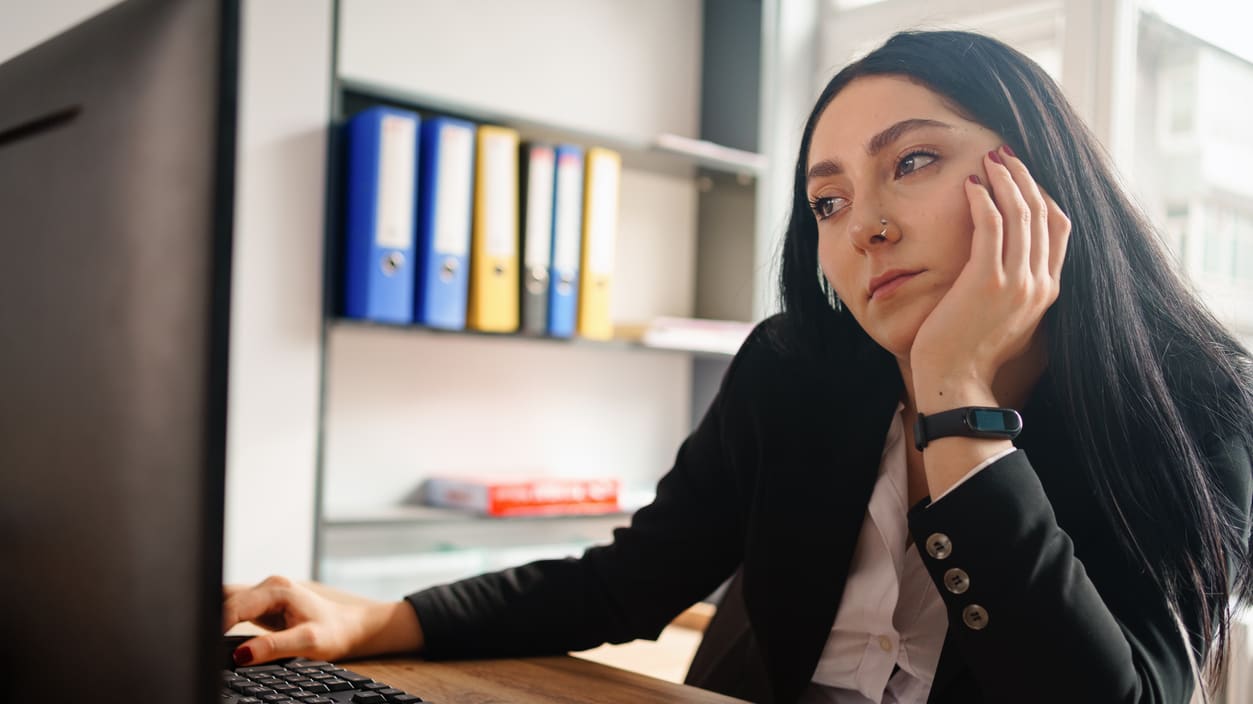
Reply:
x=773, y=486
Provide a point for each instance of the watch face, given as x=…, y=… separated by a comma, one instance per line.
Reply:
x=994, y=420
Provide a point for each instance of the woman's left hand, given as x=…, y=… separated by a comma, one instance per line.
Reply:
x=994, y=307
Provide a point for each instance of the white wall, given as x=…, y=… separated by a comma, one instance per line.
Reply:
x=25, y=23
x=276, y=288
x=630, y=68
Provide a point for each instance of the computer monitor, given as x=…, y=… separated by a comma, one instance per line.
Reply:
x=116, y=182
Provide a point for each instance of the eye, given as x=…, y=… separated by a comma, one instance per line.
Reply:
x=826, y=207
x=913, y=161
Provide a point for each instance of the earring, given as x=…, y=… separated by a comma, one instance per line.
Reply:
x=825, y=286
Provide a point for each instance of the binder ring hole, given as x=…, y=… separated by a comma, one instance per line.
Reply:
x=393, y=262
x=448, y=270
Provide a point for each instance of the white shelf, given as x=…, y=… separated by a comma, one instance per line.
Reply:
x=430, y=515
x=666, y=153
x=690, y=347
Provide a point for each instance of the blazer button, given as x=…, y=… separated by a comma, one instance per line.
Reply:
x=975, y=617
x=956, y=580
x=939, y=546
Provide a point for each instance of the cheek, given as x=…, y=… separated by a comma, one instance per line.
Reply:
x=947, y=228
x=840, y=264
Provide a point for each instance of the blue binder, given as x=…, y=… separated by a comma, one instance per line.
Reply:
x=445, y=205
x=382, y=168
x=563, y=293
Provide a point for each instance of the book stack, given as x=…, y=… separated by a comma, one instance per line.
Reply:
x=514, y=496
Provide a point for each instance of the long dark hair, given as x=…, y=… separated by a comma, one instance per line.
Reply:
x=1151, y=377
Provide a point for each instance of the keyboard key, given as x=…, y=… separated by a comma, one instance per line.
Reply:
x=255, y=691
x=271, y=698
x=337, y=685
x=269, y=681
x=316, y=687
x=249, y=700
x=354, y=677
x=405, y=699
x=305, y=696
x=321, y=700
x=368, y=698
x=374, y=685
x=390, y=692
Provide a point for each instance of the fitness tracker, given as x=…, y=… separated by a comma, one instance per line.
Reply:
x=970, y=422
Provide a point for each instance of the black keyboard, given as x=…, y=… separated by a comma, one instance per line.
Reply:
x=301, y=681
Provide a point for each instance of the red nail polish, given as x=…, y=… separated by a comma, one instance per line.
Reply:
x=243, y=655
x=995, y=157
x=975, y=180
x=1009, y=151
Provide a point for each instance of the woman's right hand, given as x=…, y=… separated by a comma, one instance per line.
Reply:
x=313, y=621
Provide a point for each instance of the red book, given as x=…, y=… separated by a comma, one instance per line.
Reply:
x=523, y=496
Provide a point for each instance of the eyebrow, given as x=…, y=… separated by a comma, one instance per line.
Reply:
x=829, y=167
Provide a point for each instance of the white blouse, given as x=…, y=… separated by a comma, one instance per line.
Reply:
x=890, y=613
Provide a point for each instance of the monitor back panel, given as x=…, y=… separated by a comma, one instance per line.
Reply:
x=116, y=155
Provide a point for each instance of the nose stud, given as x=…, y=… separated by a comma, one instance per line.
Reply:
x=882, y=234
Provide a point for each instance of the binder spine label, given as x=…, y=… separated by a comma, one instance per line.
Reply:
x=603, y=223
x=397, y=168
x=568, y=213
x=500, y=166
x=456, y=179
x=539, y=211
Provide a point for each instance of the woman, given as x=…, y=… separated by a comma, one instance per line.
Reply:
x=957, y=241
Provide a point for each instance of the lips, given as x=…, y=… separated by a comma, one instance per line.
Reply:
x=889, y=281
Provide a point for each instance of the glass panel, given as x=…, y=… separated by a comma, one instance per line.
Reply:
x=1217, y=240
x=1192, y=146
x=1176, y=230
x=1244, y=249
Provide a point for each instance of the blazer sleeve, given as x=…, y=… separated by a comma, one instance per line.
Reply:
x=1026, y=615
x=675, y=552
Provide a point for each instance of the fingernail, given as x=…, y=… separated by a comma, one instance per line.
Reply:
x=975, y=180
x=995, y=157
x=1009, y=151
x=243, y=655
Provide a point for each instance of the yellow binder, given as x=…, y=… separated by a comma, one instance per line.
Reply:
x=493, y=296
x=600, y=231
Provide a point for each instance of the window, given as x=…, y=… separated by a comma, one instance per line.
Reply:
x=1244, y=249
x=1177, y=230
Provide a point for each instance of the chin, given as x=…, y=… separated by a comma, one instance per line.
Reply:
x=897, y=334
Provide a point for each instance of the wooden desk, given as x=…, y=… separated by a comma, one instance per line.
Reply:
x=524, y=680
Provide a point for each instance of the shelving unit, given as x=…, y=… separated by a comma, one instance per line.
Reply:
x=690, y=230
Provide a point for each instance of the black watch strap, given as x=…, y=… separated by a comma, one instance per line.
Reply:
x=970, y=422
